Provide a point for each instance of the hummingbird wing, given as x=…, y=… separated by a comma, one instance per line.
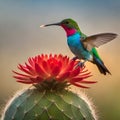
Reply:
x=97, y=40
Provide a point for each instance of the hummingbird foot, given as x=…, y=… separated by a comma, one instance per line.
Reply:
x=81, y=64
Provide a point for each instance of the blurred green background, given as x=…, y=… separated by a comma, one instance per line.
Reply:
x=21, y=37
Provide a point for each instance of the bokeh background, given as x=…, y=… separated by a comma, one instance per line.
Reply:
x=21, y=37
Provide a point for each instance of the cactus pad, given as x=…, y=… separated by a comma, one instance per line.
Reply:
x=33, y=104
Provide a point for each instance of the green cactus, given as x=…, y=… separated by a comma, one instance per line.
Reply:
x=33, y=104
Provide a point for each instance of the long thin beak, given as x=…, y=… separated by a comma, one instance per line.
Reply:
x=49, y=24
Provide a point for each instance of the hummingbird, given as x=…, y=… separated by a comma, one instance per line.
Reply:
x=83, y=46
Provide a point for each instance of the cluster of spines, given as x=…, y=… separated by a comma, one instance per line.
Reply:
x=48, y=106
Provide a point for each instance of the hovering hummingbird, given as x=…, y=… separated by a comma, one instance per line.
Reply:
x=83, y=46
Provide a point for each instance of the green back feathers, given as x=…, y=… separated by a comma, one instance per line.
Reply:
x=95, y=53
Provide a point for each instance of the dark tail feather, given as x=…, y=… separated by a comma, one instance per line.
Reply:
x=102, y=68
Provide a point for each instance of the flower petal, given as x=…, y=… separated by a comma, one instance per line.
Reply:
x=88, y=82
x=22, y=68
x=40, y=71
x=25, y=82
x=55, y=71
x=63, y=76
x=21, y=78
x=31, y=62
x=79, y=85
x=21, y=74
x=37, y=79
x=75, y=72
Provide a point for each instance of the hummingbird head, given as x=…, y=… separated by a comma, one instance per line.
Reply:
x=69, y=25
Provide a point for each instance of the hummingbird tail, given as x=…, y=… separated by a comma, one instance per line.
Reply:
x=102, y=68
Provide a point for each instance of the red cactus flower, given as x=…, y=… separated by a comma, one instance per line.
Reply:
x=49, y=68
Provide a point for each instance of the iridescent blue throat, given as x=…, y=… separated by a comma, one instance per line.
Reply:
x=75, y=45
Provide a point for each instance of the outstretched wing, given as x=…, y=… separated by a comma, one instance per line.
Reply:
x=97, y=40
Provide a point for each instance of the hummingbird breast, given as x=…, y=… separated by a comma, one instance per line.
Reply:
x=77, y=48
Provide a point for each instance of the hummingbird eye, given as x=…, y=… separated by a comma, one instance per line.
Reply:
x=66, y=22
